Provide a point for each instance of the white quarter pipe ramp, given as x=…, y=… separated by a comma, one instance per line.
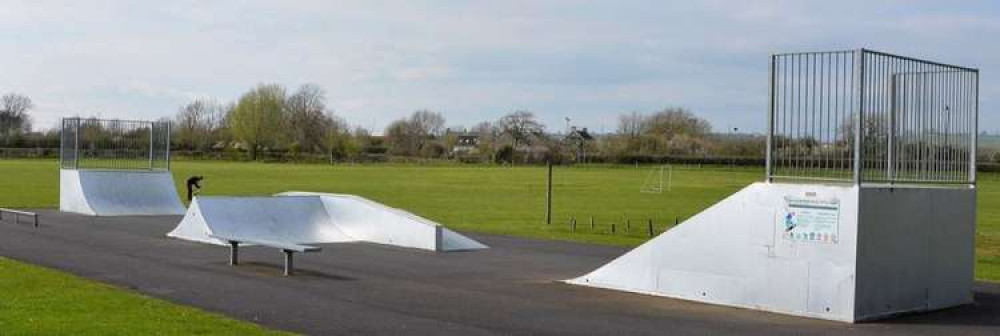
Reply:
x=118, y=193
x=812, y=250
x=310, y=218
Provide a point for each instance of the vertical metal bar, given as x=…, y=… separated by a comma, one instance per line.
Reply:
x=151, y=126
x=167, y=155
x=975, y=132
x=62, y=144
x=891, y=141
x=859, y=66
x=76, y=145
x=770, y=121
x=234, y=247
x=288, y=262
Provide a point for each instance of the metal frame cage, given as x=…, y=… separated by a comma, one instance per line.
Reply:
x=867, y=116
x=102, y=144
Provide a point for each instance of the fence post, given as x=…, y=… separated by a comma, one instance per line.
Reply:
x=152, y=125
x=859, y=91
x=548, y=195
x=76, y=145
x=612, y=229
x=168, y=147
x=770, y=119
x=650, y=228
x=591, y=223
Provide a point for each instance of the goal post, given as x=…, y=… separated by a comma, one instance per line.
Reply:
x=657, y=179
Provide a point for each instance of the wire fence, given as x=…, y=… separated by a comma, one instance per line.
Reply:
x=114, y=144
x=868, y=116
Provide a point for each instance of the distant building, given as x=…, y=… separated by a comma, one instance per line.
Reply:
x=466, y=143
x=578, y=138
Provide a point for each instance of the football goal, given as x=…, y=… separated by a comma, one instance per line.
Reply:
x=657, y=179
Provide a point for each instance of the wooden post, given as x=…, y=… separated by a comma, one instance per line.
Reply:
x=573, y=223
x=548, y=195
x=650, y=228
x=591, y=223
x=628, y=226
x=612, y=229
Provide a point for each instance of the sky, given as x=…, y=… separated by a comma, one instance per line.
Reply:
x=378, y=61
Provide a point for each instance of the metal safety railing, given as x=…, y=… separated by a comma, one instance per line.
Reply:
x=17, y=215
x=866, y=116
x=114, y=144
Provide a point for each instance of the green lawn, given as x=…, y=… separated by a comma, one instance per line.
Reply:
x=39, y=301
x=490, y=199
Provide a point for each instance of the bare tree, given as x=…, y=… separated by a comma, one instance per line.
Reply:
x=196, y=124
x=521, y=127
x=410, y=136
x=14, y=118
x=427, y=123
x=257, y=119
x=307, y=121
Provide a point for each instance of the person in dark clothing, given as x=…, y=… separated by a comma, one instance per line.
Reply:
x=193, y=182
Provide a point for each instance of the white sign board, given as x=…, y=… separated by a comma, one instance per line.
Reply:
x=810, y=220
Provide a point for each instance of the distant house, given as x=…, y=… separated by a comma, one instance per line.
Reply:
x=466, y=143
x=578, y=138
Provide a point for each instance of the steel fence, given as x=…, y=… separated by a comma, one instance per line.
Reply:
x=868, y=116
x=114, y=144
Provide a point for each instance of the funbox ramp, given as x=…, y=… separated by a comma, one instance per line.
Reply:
x=312, y=218
x=118, y=193
x=832, y=252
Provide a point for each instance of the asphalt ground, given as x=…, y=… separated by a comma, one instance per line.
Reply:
x=357, y=288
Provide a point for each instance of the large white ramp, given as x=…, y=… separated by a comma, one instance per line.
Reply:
x=812, y=250
x=118, y=193
x=309, y=218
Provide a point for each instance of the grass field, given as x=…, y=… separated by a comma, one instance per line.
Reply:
x=502, y=200
x=38, y=301
x=487, y=199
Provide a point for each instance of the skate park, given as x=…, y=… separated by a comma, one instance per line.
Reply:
x=383, y=270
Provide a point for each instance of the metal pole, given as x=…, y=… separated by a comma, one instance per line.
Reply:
x=892, y=129
x=168, y=146
x=548, y=195
x=975, y=133
x=770, y=119
x=288, y=262
x=62, y=144
x=234, y=247
x=76, y=145
x=859, y=74
x=151, y=126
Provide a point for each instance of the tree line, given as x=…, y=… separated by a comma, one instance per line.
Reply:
x=270, y=119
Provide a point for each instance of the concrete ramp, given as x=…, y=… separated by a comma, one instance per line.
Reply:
x=812, y=250
x=310, y=218
x=118, y=193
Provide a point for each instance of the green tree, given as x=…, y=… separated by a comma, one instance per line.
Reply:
x=257, y=120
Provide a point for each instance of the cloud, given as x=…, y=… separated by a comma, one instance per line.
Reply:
x=471, y=60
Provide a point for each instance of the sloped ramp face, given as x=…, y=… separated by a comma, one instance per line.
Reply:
x=315, y=218
x=374, y=222
x=118, y=193
x=739, y=253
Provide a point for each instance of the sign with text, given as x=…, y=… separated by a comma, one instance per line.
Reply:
x=811, y=219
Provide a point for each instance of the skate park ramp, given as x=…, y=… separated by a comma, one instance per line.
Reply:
x=313, y=218
x=813, y=251
x=118, y=193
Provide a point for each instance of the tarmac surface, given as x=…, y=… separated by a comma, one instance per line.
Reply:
x=358, y=288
